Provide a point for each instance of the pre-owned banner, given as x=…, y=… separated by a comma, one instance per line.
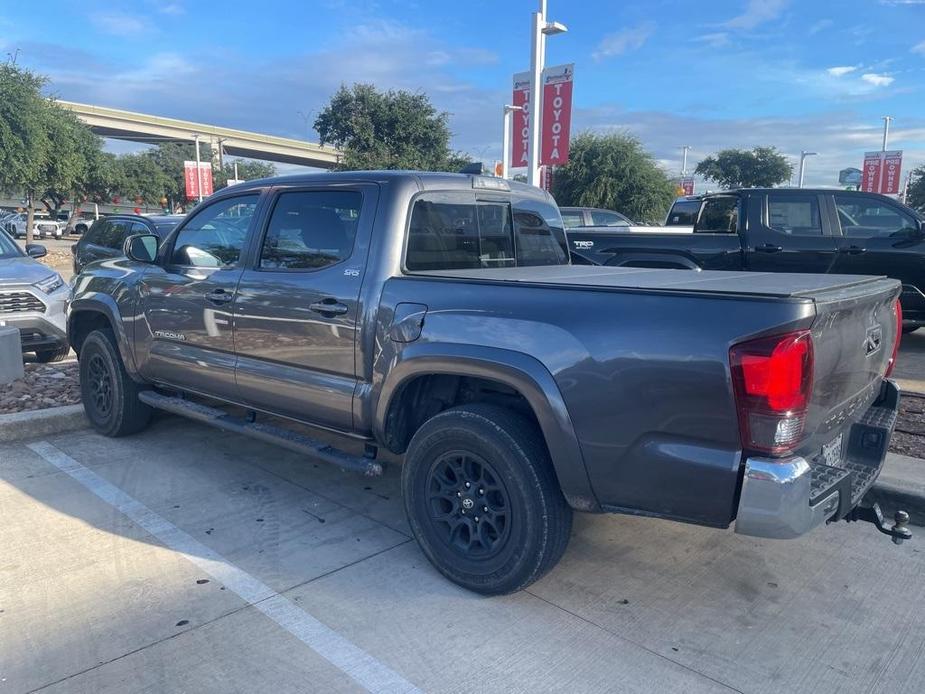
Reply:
x=557, y=114
x=870, y=183
x=890, y=172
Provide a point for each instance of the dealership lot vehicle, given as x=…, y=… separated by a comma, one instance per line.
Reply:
x=432, y=315
x=779, y=230
x=33, y=298
x=93, y=600
x=104, y=240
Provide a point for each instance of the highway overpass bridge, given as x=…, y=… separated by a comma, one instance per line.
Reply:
x=141, y=127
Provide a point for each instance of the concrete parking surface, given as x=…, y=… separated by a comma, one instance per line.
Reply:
x=185, y=559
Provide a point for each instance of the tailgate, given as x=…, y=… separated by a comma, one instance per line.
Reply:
x=853, y=337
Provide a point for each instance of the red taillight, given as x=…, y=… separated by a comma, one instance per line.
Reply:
x=898, y=314
x=773, y=380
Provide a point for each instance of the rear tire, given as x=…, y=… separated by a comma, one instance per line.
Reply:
x=110, y=396
x=46, y=356
x=482, y=499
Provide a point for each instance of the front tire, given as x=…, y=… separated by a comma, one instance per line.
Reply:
x=110, y=396
x=482, y=499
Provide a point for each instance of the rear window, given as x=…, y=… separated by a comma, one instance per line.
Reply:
x=683, y=213
x=795, y=215
x=456, y=231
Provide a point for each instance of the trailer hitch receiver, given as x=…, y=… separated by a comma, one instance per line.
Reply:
x=872, y=514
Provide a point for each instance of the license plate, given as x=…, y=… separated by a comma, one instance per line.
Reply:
x=831, y=452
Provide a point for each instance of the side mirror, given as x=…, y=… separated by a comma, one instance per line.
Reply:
x=141, y=248
x=36, y=250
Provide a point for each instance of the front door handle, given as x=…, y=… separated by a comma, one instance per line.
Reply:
x=853, y=250
x=329, y=308
x=219, y=296
x=769, y=248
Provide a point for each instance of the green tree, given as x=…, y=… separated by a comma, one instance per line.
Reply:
x=916, y=197
x=614, y=172
x=25, y=146
x=762, y=167
x=248, y=170
x=387, y=130
x=140, y=175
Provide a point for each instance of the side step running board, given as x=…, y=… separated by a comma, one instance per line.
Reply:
x=286, y=438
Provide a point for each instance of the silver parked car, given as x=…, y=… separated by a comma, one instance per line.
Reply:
x=33, y=298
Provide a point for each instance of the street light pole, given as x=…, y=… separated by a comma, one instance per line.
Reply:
x=803, y=156
x=507, y=122
x=886, y=131
x=685, y=149
x=539, y=31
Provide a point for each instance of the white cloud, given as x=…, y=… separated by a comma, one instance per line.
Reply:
x=172, y=8
x=715, y=40
x=118, y=23
x=877, y=80
x=620, y=42
x=821, y=25
x=757, y=12
x=841, y=70
x=919, y=48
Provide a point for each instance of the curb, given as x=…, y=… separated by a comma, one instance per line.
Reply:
x=37, y=423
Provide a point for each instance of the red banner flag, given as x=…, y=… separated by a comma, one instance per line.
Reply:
x=687, y=185
x=557, y=114
x=521, y=134
x=890, y=171
x=194, y=182
x=870, y=183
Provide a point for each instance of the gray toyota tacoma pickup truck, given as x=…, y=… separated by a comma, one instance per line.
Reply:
x=437, y=316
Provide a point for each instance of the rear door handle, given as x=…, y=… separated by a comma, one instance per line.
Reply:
x=853, y=250
x=769, y=248
x=329, y=307
x=219, y=296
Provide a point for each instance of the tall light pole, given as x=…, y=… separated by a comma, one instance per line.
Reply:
x=508, y=123
x=803, y=156
x=684, y=149
x=540, y=30
x=886, y=131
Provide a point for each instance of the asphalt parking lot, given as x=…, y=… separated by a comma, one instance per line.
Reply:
x=185, y=559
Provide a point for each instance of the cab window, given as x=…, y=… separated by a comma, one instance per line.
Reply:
x=214, y=237
x=719, y=215
x=797, y=215
x=862, y=217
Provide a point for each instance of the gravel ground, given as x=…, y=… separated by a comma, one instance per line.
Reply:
x=59, y=260
x=48, y=385
x=45, y=385
x=909, y=437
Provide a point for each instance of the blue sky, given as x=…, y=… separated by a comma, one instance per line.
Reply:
x=795, y=74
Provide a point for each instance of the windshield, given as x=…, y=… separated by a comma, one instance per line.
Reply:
x=8, y=247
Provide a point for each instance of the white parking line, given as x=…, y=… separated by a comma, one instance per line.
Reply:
x=363, y=668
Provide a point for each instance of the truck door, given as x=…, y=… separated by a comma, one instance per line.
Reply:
x=788, y=232
x=186, y=301
x=297, y=304
x=879, y=237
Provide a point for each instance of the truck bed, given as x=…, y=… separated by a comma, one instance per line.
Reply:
x=759, y=284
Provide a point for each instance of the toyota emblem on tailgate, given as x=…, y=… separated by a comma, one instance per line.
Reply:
x=873, y=340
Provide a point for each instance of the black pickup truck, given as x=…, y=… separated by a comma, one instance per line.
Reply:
x=777, y=230
x=437, y=316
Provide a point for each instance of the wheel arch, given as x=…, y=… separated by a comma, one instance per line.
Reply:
x=99, y=311
x=524, y=375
